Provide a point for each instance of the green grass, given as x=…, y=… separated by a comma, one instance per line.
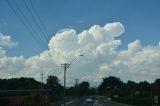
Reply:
x=137, y=100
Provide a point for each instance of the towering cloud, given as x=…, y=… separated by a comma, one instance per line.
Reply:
x=101, y=57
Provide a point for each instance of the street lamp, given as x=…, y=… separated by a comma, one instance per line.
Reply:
x=75, y=59
x=66, y=66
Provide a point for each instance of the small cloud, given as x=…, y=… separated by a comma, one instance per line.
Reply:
x=63, y=30
x=6, y=41
x=70, y=27
x=81, y=21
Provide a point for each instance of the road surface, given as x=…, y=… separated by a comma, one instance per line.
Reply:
x=99, y=101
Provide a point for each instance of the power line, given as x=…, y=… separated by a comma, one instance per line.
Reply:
x=26, y=26
x=27, y=21
x=34, y=18
x=42, y=24
x=71, y=65
x=36, y=13
x=23, y=22
x=29, y=27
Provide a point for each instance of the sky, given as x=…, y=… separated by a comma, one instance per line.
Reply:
x=119, y=38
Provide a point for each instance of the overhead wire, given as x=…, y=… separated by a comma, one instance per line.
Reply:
x=43, y=26
x=23, y=22
x=71, y=65
x=29, y=27
x=29, y=23
x=72, y=62
x=34, y=18
x=36, y=13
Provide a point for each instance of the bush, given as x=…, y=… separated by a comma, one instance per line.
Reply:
x=4, y=101
x=138, y=100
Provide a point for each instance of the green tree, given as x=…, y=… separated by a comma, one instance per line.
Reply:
x=84, y=88
x=156, y=87
x=71, y=91
x=19, y=83
x=132, y=84
x=54, y=84
x=92, y=91
x=110, y=83
x=144, y=86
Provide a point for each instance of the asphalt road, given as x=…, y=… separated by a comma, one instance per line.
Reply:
x=98, y=102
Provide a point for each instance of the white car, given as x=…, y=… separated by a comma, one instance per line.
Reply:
x=109, y=98
x=89, y=100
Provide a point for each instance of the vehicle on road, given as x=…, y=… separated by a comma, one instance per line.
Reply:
x=89, y=102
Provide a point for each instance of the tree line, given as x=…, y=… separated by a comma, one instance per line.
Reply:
x=52, y=82
x=141, y=93
x=129, y=92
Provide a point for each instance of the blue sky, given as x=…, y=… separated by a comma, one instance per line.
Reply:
x=126, y=44
x=139, y=17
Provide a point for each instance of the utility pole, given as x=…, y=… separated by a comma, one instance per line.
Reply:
x=77, y=89
x=41, y=81
x=65, y=65
x=41, y=87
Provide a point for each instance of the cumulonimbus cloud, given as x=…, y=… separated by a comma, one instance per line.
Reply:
x=99, y=45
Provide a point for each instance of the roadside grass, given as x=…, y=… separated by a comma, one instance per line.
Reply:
x=138, y=100
x=72, y=104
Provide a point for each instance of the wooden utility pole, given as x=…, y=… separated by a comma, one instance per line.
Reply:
x=65, y=65
x=41, y=81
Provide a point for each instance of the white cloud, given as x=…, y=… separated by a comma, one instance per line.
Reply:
x=6, y=41
x=141, y=65
x=2, y=52
x=101, y=58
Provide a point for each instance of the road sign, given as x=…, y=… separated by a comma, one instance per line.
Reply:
x=156, y=99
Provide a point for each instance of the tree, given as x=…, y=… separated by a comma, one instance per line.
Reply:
x=19, y=83
x=110, y=83
x=54, y=84
x=71, y=91
x=156, y=85
x=92, y=91
x=132, y=84
x=84, y=88
x=144, y=86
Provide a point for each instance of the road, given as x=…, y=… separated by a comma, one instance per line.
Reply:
x=98, y=102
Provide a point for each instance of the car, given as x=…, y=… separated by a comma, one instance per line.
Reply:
x=109, y=98
x=89, y=100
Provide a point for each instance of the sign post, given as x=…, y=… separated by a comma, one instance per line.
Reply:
x=156, y=100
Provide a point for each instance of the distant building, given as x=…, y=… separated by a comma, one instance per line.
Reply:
x=24, y=97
